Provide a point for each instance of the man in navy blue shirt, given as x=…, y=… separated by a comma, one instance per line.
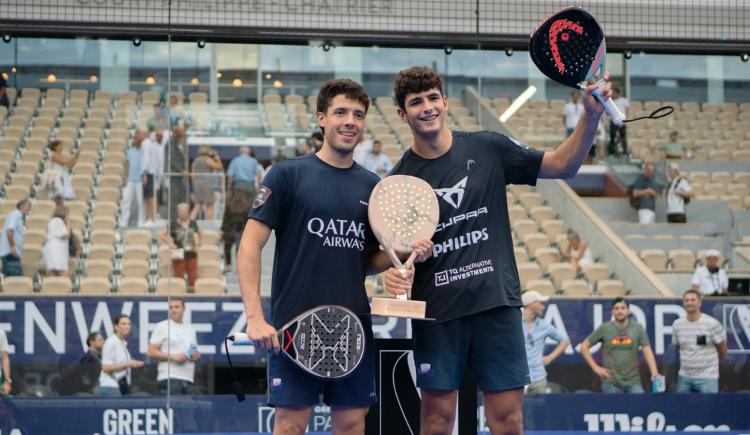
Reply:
x=471, y=282
x=324, y=248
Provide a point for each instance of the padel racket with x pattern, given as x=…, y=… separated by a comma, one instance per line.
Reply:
x=327, y=341
x=569, y=48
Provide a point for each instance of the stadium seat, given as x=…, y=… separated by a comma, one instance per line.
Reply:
x=137, y=237
x=541, y=213
x=17, y=285
x=524, y=227
x=530, y=199
x=552, y=228
x=543, y=286
x=595, y=272
x=136, y=252
x=210, y=237
x=516, y=213
x=682, y=260
x=559, y=272
x=209, y=286
x=546, y=256
x=209, y=269
x=610, y=288
x=135, y=268
x=534, y=242
x=528, y=271
x=56, y=285
x=521, y=255
x=170, y=285
x=94, y=286
x=105, y=251
x=655, y=259
x=35, y=237
x=133, y=286
x=102, y=237
x=209, y=252
x=575, y=287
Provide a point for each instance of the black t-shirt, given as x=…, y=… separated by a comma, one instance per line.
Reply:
x=472, y=268
x=319, y=214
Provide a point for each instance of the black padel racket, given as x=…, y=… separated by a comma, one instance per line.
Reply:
x=569, y=48
x=327, y=341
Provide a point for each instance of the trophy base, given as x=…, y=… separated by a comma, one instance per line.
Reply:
x=398, y=308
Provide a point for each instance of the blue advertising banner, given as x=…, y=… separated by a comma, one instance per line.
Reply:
x=223, y=414
x=43, y=330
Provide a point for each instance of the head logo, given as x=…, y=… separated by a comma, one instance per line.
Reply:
x=276, y=383
x=453, y=195
x=263, y=195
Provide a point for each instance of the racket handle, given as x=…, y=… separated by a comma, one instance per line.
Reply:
x=240, y=338
x=609, y=104
x=410, y=261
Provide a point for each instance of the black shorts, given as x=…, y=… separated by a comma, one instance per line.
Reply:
x=148, y=189
x=490, y=342
x=291, y=386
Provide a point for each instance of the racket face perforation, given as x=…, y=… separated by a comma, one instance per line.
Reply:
x=569, y=47
x=329, y=342
x=402, y=210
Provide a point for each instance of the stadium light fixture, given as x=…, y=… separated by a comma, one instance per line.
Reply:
x=7, y=38
x=137, y=41
x=745, y=57
x=94, y=78
x=628, y=54
x=201, y=43
x=51, y=78
x=150, y=80
x=517, y=103
x=509, y=52
x=327, y=46
x=194, y=81
x=448, y=50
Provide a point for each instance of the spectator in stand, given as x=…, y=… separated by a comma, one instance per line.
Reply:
x=232, y=226
x=243, y=175
x=537, y=330
x=204, y=183
x=91, y=361
x=116, y=376
x=377, y=162
x=572, y=112
x=621, y=339
x=59, y=186
x=618, y=131
x=701, y=341
x=134, y=178
x=11, y=247
x=710, y=279
x=184, y=241
x=652, y=153
x=56, y=248
x=178, y=167
x=674, y=149
x=6, y=385
x=175, y=345
x=159, y=120
x=316, y=141
x=577, y=252
x=679, y=193
x=4, y=101
x=175, y=112
x=645, y=190
x=152, y=167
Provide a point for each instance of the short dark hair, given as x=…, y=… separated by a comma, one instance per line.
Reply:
x=120, y=317
x=413, y=80
x=619, y=299
x=377, y=141
x=23, y=202
x=317, y=135
x=92, y=336
x=332, y=88
x=178, y=298
x=52, y=145
x=695, y=292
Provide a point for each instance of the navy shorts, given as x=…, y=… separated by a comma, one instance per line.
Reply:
x=490, y=342
x=148, y=188
x=290, y=386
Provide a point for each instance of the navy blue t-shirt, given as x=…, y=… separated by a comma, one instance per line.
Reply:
x=472, y=268
x=319, y=214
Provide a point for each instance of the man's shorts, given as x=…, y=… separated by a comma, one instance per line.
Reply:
x=490, y=342
x=148, y=188
x=290, y=386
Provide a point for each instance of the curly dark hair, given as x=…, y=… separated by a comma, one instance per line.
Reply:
x=414, y=80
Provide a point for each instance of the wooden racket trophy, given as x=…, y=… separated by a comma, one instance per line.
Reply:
x=402, y=210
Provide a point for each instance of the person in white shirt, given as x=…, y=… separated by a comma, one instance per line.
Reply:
x=5, y=382
x=678, y=192
x=572, y=112
x=701, y=341
x=152, y=165
x=377, y=162
x=618, y=130
x=710, y=279
x=175, y=345
x=117, y=364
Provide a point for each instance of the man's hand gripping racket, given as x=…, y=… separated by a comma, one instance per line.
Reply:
x=569, y=48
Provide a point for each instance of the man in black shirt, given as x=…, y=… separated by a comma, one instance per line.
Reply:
x=324, y=248
x=471, y=282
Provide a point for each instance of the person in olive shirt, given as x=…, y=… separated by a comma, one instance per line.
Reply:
x=620, y=340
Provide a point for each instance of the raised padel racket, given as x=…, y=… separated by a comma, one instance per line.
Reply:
x=569, y=48
x=327, y=342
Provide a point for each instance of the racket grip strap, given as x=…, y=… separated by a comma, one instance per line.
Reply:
x=609, y=104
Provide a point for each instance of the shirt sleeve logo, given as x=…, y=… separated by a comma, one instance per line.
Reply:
x=263, y=195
